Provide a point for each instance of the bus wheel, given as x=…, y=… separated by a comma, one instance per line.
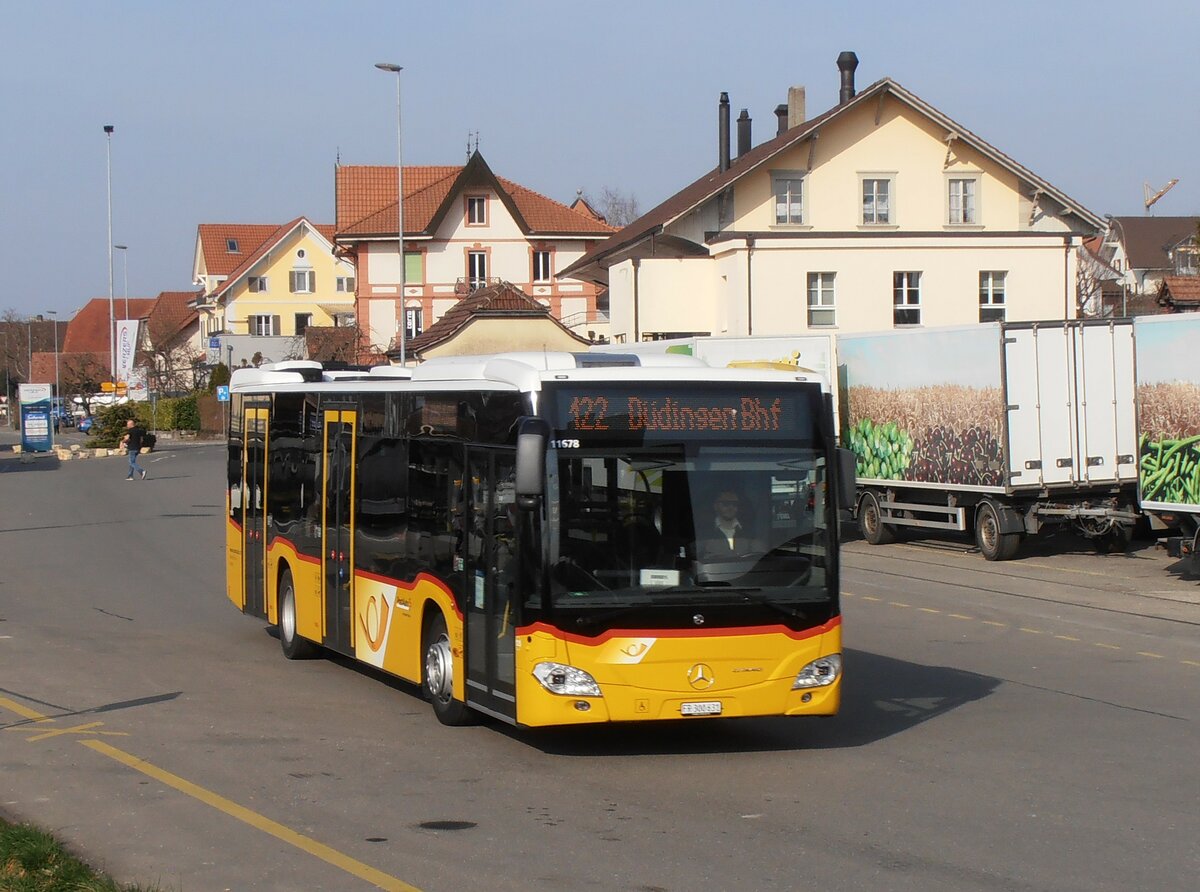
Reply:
x=993, y=544
x=439, y=675
x=294, y=647
x=870, y=522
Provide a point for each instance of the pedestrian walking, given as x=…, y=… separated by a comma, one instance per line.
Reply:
x=132, y=441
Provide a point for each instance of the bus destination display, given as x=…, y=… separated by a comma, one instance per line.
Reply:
x=609, y=411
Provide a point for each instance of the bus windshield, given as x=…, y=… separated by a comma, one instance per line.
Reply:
x=687, y=523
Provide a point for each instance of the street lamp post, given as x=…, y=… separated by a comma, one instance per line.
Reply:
x=124, y=249
x=53, y=314
x=396, y=69
x=112, y=317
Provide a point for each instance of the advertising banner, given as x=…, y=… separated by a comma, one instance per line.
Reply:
x=127, y=330
x=139, y=386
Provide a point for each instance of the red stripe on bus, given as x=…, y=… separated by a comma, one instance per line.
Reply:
x=573, y=638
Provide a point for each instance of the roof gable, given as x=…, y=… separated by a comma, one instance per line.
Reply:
x=1147, y=240
x=90, y=332
x=716, y=181
x=323, y=234
x=366, y=201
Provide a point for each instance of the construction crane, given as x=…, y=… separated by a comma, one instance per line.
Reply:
x=1151, y=199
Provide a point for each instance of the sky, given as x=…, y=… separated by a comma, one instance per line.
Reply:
x=237, y=112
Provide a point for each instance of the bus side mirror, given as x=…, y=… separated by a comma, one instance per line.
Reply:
x=531, y=461
x=847, y=477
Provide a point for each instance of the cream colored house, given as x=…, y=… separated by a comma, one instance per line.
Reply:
x=270, y=281
x=464, y=229
x=880, y=213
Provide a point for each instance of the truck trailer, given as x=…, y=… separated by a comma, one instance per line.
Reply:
x=1168, y=394
x=1006, y=429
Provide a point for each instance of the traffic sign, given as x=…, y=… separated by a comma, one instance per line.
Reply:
x=214, y=343
x=223, y=393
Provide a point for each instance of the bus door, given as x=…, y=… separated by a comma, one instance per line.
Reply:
x=254, y=502
x=492, y=577
x=337, y=527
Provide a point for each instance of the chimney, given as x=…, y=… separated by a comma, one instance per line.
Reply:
x=743, y=123
x=795, y=106
x=846, y=63
x=723, y=133
x=781, y=115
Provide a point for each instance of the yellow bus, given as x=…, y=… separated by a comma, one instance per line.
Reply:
x=548, y=539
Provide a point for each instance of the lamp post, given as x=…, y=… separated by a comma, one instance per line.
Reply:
x=396, y=69
x=124, y=249
x=112, y=318
x=53, y=314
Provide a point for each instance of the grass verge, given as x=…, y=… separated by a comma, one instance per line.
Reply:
x=31, y=860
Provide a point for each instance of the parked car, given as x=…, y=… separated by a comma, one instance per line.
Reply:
x=86, y=423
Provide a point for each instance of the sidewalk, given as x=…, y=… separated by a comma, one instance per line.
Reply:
x=69, y=437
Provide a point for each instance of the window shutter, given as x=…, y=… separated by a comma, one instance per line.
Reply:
x=312, y=281
x=275, y=329
x=292, y=281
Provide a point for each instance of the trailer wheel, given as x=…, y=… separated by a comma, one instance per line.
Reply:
x=870, y=521
x=993, y=544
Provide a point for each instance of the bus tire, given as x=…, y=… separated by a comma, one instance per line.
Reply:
x=438, y=676
x=993, y=544
x=294, y=646
x=870, y=522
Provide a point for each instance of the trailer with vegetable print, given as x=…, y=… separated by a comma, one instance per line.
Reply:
x=1005, y=429
x=1168, y=393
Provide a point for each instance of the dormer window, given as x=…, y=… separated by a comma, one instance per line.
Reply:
x=231, y=245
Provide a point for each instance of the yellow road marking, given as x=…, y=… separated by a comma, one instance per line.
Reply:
x=1190, y=662
x=870, y=598
x=89, y=729
x=929, y=610
x=255, y=820
x=992, y=622
x=899, y=604
x=1109, y=646
x=229, y=807
x=959, y=616
x=1066, y=638
x=1146, y=653
x=1031, y=631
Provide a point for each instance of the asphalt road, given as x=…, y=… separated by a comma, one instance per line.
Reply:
x=1020, y=726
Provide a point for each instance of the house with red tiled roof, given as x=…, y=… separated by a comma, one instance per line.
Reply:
x=170, y=347
x=882, y=212
x=262, y=286
x=1180, y=294
x=494, y=319
x=465, y=228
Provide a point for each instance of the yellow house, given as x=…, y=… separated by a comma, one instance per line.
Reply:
x=271, y=281
x=880, y=213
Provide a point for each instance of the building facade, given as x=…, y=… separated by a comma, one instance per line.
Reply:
x=464, y=229
x=880, y=213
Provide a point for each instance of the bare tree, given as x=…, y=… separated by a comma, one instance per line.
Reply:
x=82, y=373
x=169, y=359
x=618, y=208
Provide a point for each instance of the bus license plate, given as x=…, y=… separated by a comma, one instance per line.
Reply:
x=707, y=707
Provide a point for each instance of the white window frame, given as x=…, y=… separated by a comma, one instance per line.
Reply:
x=477, y=281
x=906, y=298
x=822, y=300
x=480, y=202
x=796, y=213
x=257, y=284
x=965, y=209
x=260, y=328
x=345, y=284
x=992, y=287
x=231, y=246
x=889, y=181
x=547, y=274
x=309, y=284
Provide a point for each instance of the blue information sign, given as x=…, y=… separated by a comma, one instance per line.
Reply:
x=37, y=428
x=214, y=343
x=222, y=393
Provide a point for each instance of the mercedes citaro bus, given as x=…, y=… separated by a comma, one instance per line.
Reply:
x=530, y=535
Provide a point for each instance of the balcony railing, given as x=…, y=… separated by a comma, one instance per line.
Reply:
x=469, y=284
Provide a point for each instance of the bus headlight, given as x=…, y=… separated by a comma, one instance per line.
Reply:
x=819, y=673
x=558, y=678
